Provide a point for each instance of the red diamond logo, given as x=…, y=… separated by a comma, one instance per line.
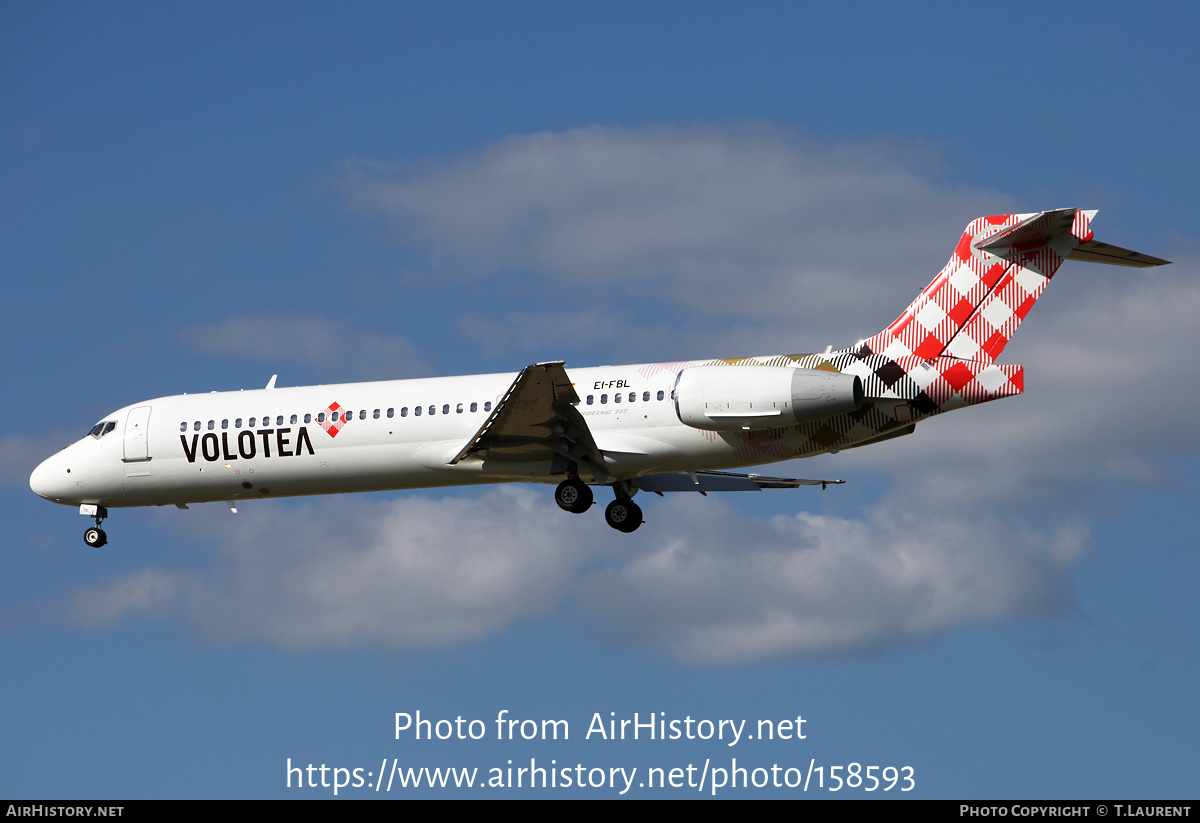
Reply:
x=330, y=425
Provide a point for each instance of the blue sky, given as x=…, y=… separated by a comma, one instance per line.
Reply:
x=196, y=197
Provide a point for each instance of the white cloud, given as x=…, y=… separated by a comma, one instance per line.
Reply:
x=729, y=223
x=720, y=588
x=412, y=572
x=708, y=584
x=330, y=347
x=748, y=221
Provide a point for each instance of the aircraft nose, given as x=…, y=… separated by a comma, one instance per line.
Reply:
x=51, y=479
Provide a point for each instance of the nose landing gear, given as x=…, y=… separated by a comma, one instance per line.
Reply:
x=95, y=536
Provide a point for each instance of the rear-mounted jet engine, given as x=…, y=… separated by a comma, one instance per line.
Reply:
x=731, y=398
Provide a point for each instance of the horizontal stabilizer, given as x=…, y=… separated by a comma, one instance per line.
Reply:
x=1094, y=251
x=705, y=482
x=1061, y=228
x=999, y=269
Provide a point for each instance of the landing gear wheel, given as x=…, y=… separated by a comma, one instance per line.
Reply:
x=95, y=537
x=573, y=495
x=623, y=515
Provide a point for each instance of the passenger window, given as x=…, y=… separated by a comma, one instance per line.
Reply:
x=660, y=394
x=417, y=411
x=375, y=414
x=591, y=397
x=320, y=418
x=603, y=399
x=632, y=396
x=446, y=409
x=279, y=420
x=183, y=427
x=646, y=396
x=308, y=418
x=487, y=406
x=237, y=424
x=391, y=412
x=433, y=409
x=362, y=415
x=459, y=408
x=404, y=411
x=251, y=423
x=225, y=423
x=474, y=407
x=617, y=397
x=295, y=419
x=196, y=427
x=212, y=424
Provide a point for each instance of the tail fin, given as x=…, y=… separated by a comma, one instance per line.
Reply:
x=998, y=271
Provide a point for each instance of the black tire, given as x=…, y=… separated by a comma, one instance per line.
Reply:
x=623, y=515
x=95, y=537
x=573, y=495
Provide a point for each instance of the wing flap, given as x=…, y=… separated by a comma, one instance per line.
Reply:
x=713, y=481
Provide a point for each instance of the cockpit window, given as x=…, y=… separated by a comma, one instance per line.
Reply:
x=102, y=428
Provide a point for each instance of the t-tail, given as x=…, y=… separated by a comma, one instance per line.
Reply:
x=940, y=353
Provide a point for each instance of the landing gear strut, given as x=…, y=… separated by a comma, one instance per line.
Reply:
x=573, y=495
x=95, y=536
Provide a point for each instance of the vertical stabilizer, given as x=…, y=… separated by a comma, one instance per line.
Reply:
x=940, y=353
x=997, y=272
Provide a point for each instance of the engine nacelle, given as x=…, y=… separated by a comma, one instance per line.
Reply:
x=731, y=398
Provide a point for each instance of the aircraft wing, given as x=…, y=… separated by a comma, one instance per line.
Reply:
x=537, y=420
x=705, y=482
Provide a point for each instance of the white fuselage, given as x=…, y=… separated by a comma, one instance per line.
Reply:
x=278, y=442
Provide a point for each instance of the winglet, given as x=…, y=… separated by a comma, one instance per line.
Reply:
x=271, y=384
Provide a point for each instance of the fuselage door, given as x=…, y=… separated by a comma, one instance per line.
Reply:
x=137, y=443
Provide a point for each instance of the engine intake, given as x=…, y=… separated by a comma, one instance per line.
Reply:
x=731, y=398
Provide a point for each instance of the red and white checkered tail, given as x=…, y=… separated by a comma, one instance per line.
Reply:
x=997, y=272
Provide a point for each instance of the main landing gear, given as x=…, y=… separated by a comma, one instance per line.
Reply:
x=575, y=496
x=623, y=515
x=95, y=536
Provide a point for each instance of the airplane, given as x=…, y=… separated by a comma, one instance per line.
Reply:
x=655, y=427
